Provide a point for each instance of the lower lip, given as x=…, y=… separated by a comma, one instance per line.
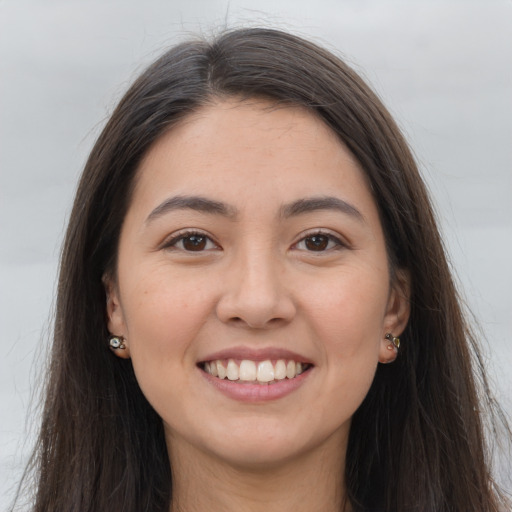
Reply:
x=256, y=392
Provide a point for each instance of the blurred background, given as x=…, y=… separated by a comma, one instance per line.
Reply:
x=444, y=69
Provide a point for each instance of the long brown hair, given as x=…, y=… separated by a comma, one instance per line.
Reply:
x=416, y=442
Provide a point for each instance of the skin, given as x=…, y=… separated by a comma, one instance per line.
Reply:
x=257, y=283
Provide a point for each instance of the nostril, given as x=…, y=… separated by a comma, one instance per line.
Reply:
x=251, y=307
x=255, y=323
x=236, y=320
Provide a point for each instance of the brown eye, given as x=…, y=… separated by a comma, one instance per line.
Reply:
x=317, y=242
x=191, y=242
x=194, y=242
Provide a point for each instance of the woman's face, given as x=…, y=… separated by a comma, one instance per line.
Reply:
x=253, y=247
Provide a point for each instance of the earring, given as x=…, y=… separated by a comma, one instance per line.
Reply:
x=116, y=342
x=395, y=342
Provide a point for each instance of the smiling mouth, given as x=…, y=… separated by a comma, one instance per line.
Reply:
x=246, y=371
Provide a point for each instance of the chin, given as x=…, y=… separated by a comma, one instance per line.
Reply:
x=256, y=456
x=268, y=445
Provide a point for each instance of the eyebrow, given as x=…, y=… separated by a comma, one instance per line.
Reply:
x=197, y=203
x=210, y=206
x=312, y=204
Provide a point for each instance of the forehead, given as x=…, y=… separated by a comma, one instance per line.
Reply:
x=249, y=139
x=245, y=151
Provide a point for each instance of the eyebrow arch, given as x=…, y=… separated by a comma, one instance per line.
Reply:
x=312, y=204
x=197, y=203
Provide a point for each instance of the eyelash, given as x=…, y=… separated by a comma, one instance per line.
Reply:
x=338, y=244
x=180, y=237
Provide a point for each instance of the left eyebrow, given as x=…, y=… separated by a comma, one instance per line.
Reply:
x=312, y=204
x=298, y=207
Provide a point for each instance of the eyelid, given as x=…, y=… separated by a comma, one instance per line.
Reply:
x=341, y=243
x=171, y=241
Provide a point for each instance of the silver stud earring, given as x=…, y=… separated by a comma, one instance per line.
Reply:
x=116, y=342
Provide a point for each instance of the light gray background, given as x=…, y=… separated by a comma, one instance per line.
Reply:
x=442, y=67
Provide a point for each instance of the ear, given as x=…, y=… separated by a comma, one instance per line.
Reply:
x=115, y=317
x=397, y=315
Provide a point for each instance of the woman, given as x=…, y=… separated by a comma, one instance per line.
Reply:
x=249, y=243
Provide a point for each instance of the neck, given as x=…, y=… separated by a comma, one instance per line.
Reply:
x=313, y=481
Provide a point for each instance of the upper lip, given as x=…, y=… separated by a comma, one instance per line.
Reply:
x=256, y=354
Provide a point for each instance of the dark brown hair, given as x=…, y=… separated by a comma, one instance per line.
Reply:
x=416, y=442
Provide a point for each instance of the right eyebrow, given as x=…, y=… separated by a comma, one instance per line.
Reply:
x=197, y=203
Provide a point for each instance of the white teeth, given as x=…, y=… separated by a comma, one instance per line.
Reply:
x=263, y=372
x=280, y=370
x=291, y=370
x=248, y=370
x=232, y=370
x=221, y=371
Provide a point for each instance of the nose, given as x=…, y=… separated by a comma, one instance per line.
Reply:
x=256, y=294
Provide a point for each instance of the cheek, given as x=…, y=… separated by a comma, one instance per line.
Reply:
x=346, y=317
x=163, y=315
x=348, y=306
x=163, y=318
